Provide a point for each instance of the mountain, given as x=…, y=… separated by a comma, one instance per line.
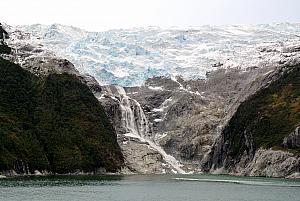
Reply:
x=183, y=117
x=190, y=119
x=52, y=124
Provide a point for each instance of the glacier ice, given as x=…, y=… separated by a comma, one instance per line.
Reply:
x=128, y=57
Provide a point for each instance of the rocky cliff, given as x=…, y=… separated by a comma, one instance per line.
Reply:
x=261, y=138
x=52, y=123
x=188, y=120
x=176, y=125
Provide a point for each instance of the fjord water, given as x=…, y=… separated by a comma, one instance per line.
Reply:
x=149, y=188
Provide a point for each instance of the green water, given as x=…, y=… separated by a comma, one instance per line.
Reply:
x=149, y=188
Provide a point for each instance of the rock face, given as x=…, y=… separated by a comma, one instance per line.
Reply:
x=53, y=124
x=50, y=120
x=265, y=119
x=272, y=163
x=141, y=151
x=293, y=140
x=186, y=118
x=140, y=158
x=174, y=125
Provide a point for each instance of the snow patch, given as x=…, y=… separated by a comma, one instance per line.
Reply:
x=155, y=88
x=157, y=120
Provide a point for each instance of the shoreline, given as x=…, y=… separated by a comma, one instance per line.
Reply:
x=295, y=176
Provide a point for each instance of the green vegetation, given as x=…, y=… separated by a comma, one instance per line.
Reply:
x=53, y=123
x=266, y=117
x=4, y=49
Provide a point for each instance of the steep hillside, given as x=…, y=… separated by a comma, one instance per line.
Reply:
x=270, y=115
x=264, y=121
x=4, y=49
x=52, y=123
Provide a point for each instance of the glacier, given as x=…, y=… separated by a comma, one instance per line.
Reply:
x=128, y=57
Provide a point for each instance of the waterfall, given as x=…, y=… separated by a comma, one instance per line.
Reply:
x=135, y=122
x=133, y=118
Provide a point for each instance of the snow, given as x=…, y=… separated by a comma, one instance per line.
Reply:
x=101, y=97
x=155, y=88
x=157, y=120
x=181, y=87
x=134, y=135
x=160, y=136
x=163, y=106
x=158, y=109
x=129, y=57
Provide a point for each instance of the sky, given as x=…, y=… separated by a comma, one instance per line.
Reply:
x=97, y=15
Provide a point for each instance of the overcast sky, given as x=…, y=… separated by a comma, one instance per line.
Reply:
x=108, y=14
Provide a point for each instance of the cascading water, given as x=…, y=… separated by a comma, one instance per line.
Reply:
x=136, y=125
x=133, y=117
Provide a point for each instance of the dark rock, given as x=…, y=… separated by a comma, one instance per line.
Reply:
x=293, y=140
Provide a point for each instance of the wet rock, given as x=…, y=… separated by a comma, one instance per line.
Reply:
x=293, y=140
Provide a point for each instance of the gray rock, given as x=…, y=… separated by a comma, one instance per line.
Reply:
x=271, y=163
x=139, y=158
x=293, y=140
x=185, y=117
x=253, y=161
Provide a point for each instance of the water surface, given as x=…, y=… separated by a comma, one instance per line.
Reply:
x=149, y=188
